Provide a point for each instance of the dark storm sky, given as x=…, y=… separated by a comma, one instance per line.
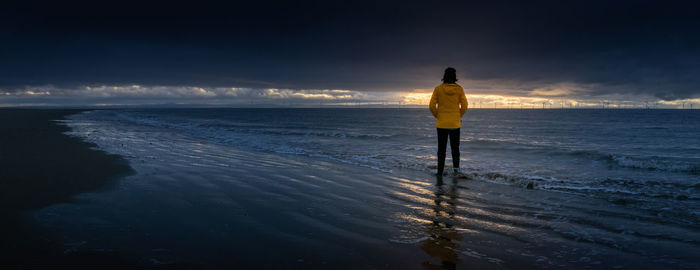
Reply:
x=619, y=47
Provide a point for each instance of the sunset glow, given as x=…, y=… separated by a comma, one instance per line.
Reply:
x=489, y=101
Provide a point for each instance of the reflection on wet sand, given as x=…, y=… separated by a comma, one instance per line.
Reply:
x=443, y=239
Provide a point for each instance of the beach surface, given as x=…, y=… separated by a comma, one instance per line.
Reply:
x=41, y=166
x=187, y=202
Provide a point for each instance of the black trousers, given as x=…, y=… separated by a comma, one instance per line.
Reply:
x=442, y=135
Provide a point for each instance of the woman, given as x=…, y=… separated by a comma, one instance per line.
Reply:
x=448, y=104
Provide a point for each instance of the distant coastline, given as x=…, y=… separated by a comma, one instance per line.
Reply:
x=309, y=106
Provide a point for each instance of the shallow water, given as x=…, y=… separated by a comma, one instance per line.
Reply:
x=609, y=187
x=648, y=154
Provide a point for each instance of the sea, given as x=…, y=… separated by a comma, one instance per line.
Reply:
x=624, y=182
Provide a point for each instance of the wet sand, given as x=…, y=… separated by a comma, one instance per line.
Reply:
x=41, y=167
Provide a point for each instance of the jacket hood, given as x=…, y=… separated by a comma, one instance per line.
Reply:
x=450, y=89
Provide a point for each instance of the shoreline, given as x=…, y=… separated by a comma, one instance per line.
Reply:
x=46, y=165
x=42, y=166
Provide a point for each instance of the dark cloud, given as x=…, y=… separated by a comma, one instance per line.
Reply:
x=625, y=47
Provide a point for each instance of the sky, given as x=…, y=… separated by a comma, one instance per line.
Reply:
x=285, y=53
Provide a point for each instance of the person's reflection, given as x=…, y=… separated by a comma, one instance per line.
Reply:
x=443, y=239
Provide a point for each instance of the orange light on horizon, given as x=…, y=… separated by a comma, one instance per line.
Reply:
x=484, y=101
x=416, y=98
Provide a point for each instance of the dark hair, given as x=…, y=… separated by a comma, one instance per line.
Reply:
x=450, y=75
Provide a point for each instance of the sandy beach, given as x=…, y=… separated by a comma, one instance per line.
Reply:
x=40, y=167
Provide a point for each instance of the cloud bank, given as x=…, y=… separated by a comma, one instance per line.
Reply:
x=570, y=49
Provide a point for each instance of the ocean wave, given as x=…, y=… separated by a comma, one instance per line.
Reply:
x=217, y=127
x=659, y=163
x=656, y=163
x=500, y=144
x=626, y=187
x=333, y=134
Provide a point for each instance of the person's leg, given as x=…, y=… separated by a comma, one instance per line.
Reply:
x=442, y=148
x=454, y=147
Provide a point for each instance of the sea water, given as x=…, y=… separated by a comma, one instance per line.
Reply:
x=644, y=161
x=651, y=154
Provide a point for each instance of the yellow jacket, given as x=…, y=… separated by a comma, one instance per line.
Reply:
x=448, y=104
